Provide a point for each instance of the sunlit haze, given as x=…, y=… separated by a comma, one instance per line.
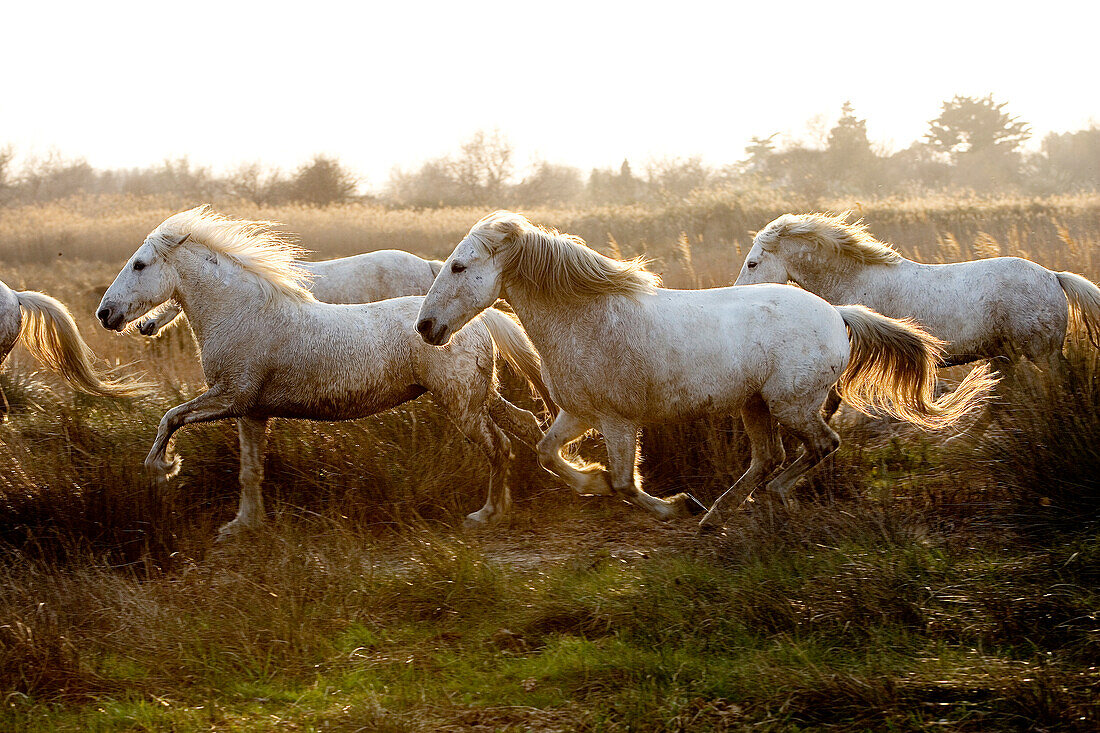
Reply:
x=584, y=83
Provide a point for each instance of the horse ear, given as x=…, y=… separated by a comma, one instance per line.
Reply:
x=509, y=230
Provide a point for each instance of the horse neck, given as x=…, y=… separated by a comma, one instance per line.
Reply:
x=213, y=292
x=543, y=318
x=839, y=280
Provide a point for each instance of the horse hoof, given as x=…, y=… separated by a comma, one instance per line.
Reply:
x=480, y=520
x=232, y=530
x=472, y=523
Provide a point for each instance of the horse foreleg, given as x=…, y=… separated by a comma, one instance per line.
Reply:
x=622, y=458
x=250, y=513
x=154, y=324
x=767, y=455
x=210, y=405
x=588, y=479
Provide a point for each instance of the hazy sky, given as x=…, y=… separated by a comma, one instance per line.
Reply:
x=585, y=83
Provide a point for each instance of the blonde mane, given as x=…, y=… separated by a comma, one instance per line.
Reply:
x=555, y=264
x=269, y=256
x=832, y=233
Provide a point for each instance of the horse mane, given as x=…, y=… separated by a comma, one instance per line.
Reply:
x=558, y=265
x=269, y=256
x=832, y=233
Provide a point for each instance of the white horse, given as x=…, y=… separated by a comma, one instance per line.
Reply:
x=49, y=333
x=270, y=349
x=619, y=353
x=364, y=278
x=1004, y=307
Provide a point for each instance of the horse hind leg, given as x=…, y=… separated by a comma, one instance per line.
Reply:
x=622, y=458
x=1059, y=369
x=832, y=404
x=480, y=428
x=250, y=512
x=515, y=420
x=767, y=455
x=819, y=442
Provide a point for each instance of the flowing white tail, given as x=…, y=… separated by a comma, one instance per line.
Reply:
x=893, y=369
x=51, y=335
x=1084, y=303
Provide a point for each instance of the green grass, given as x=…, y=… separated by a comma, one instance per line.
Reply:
x=312, y=630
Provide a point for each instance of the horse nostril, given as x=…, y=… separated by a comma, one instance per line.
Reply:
x=104, y=314
x=424, y=327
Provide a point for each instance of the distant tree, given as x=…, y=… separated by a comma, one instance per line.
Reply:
x=482, y=167
x=549, y=183
x=969, y=125
x=917, y=167
x=7, y=182
x=1071, y=160
x=676, y=176
x=431, y=185
x=981, y=140
x=321, y=182
x=605, y=186
x=252, y=182
x=850, y=162
x=760, y=151
x=803, y=171
x=55, y=177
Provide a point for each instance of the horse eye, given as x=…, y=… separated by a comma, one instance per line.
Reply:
x=458, y=267
x=139, y=265
x=752, y=265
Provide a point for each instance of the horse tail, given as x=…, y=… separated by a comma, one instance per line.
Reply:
x=893, y=369
x=1084, y=303
x=519, y=352
x=50, y=334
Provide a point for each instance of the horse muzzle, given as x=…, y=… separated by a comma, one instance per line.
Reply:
x=112, y=319
x=432, y=332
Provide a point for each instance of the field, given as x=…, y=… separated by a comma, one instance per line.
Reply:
x=916, y=586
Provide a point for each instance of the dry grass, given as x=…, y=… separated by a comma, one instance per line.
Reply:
x=918, y=586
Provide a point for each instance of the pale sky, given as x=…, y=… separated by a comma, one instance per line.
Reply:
x=582, y=83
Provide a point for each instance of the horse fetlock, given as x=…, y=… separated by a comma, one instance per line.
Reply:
x=597, y=483
x=236, y=528
x=483, y=519
x=163, y=466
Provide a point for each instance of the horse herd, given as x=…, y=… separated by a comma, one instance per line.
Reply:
x=600, y=342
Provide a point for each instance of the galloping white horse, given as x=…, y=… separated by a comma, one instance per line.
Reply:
x=364, y=278
x=998, y=307
x=270, y=349
x=618, y=353
x=50, y=334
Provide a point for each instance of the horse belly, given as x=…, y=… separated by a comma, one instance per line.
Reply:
x=338, y=404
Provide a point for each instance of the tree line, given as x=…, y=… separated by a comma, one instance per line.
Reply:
x=973, y=144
